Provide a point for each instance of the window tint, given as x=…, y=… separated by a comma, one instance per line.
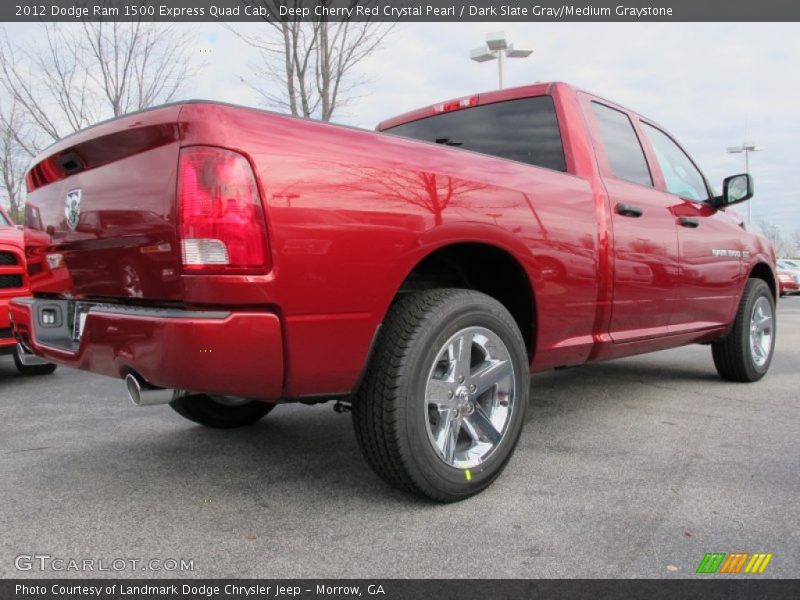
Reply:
x=524, y=130
x=680, y=174
x=624, y=152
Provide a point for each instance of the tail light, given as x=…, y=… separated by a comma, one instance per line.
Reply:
x=222, y=227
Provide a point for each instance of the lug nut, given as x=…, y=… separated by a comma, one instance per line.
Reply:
x=450, y=393
x=460, y=379
x=472, y=388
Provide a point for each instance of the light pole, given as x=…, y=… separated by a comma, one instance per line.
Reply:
x=497, y=48
x=746, y=148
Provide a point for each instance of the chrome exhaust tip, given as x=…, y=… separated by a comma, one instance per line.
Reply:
x=27, y=357
x=142, y=393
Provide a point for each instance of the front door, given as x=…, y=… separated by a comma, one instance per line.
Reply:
x=709, y=241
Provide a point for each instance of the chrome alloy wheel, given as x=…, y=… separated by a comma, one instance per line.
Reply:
x=761, y=329
x=469, y=397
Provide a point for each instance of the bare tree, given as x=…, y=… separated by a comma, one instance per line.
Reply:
x=773, y=234
x=796, y=240
x=432, y=192
x=312, y=62
x=135, y=65
x=49, y=84
x=76, y=75
x=15, y=154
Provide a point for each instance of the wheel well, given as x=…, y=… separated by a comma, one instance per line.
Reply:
x=762, y=271
x=484, y=268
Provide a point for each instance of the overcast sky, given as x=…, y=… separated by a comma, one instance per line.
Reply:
x=711, y=85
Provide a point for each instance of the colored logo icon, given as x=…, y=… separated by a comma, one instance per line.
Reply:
x=734, y=563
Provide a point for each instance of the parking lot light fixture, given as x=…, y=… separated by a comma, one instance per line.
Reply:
x=497, y=48
x=496, y=41
x=745, y=148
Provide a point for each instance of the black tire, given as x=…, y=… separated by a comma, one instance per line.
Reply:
x=390, y=411
x=205, y=410
x=733, y=355
x=31, y=370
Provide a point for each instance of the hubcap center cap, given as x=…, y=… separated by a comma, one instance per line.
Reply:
x=463, y=405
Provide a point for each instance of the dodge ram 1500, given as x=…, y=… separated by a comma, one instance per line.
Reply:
x=224, y=259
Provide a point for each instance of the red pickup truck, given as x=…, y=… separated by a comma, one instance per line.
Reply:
x=224, y=259
x=14, y=280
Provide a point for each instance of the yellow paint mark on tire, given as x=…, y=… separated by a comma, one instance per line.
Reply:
x=468, y=475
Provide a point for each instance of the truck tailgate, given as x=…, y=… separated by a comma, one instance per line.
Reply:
x=105, y=198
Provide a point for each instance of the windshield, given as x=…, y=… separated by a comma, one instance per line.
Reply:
x=4, y=220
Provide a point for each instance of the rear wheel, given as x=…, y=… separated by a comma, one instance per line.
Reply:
x=221, y=412
x=442, y=405
x=746, y=352
x=28, y=370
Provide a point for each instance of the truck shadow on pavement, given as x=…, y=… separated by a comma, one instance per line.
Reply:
x=296, y=451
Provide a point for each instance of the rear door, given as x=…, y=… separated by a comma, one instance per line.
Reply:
x=646, y=265
x=709, y=240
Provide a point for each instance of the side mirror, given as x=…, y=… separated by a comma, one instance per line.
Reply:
x=735, y=189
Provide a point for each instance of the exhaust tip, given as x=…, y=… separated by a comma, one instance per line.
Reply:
x=27, y=357
x=134, y=389
x=142, y=393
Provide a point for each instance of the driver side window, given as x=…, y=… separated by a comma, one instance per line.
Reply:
x=680, y=175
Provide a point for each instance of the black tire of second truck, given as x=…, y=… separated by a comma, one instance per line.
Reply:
x=219, y=413
x=443, y=401
x=745, y=353
x=30, y=370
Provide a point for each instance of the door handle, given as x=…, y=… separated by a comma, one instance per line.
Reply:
x=689, y=222
x=629, y=210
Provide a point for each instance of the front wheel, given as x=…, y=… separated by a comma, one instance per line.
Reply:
x=443, y=402
x=746, y=352
x=221, y=412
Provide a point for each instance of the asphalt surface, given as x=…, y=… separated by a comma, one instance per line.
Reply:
x=631, y=468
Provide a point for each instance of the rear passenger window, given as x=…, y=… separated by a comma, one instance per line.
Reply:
x=622, y=146
x=524, y=130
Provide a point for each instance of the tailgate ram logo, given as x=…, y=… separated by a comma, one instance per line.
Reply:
x=73, y=208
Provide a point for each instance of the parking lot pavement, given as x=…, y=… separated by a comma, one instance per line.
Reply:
x=632, y=468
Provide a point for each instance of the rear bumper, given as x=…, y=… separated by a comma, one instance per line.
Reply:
x=219, y=352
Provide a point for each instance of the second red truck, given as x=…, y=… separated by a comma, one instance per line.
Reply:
x=225, y=259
